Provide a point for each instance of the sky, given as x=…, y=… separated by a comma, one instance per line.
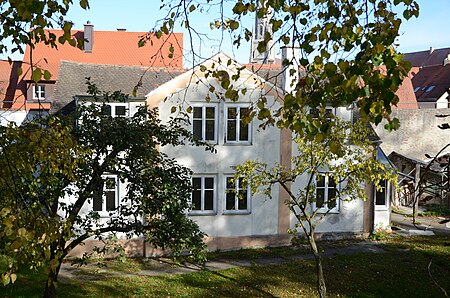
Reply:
x=431, y=29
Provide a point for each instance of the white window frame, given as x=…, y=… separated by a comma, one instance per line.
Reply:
x=203, y=119
x=328, y=108
x=324, y=208
x=236, y=198
x=384, y=206
x=104, y=212
x=238, y=126
x=113, y=106
x=38, y=92
x=203, y=188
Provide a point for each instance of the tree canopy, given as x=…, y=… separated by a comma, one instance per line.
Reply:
x=51, y=172
x=342, y=162
x=347, y=52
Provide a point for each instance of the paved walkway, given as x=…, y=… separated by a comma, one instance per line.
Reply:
x=165, y=266
x=402, y=224
x=426, y=225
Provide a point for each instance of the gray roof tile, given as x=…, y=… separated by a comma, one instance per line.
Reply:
x=109, y=78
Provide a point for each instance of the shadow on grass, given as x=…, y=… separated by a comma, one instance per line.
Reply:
x=400, y=272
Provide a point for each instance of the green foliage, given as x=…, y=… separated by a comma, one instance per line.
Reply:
x=345, y=155
x=346, y=51
x=46, y=161
x=335, y=149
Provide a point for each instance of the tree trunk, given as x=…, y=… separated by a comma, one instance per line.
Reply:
x=50, y=289
x=321, y=287
x=52, y=278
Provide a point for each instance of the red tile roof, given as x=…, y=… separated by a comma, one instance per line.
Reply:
x=426, y=58
x=110, y=47
x=406, y=95
x=431, y=82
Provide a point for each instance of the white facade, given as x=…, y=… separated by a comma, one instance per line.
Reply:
x=234, y=143
x=262, y=217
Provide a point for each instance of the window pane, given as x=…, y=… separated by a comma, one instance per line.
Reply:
x=120, y=110
x=197, y=129
x=380, y=198
x=242, y=200
x=209, y=200
x=196, y=199
x=110, y=200
x=97, y=203
x=331, y=196
x=331, y=182
x=230, y=200
x=209, y=134
x=209, y=183
x=197, y=183
x=232, y=113
x=110, y=183
x=320, y=181
x=243, y=132
x=231, y=130
x=210, y=113
x=106, y=110
x=320, y=197
x=197, y=112
x=230, y=183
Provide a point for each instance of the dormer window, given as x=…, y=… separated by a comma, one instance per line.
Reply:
x=429, y=89
x=38, y=92
x=115, y=109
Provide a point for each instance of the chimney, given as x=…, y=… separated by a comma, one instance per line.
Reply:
x=431, y=50
x=121, y=29
x=290, y=62
x=89, y=37
x=447, y=60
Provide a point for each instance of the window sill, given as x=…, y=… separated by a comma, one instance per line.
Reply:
x=237, y=144
x=236, y=212
x=381, y=208
x=332, y=211
x=202, y=213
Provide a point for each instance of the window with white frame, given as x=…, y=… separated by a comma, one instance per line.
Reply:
x=203, y=195
x=236, y=130
x=237, y=197
x=109, y=200
x=326, y=193
x=204, y=122
x=329, y=111
x=39, y=92
x=381, y=195
x=115, y=109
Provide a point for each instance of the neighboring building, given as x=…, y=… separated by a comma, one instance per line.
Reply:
x=406, y=96
x=430, y=75
x=262, y=27
x=108, y=78
x=101, y=47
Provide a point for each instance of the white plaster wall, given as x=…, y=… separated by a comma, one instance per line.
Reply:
x=348, y=218
x=121, y=187
x=8, y=116
x=442, y=102
x=265, y=146
x=350, y=215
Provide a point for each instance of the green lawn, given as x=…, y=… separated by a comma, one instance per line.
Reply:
x=400, y=272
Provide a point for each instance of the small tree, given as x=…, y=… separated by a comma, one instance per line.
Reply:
x=344, y=160
x=48, y=160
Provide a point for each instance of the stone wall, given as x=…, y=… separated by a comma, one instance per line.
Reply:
x=418, y=133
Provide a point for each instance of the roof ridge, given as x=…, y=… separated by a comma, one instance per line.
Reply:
x=125, y=65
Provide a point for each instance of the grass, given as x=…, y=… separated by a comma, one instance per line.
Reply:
x=435, y=210
x=400, y=272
